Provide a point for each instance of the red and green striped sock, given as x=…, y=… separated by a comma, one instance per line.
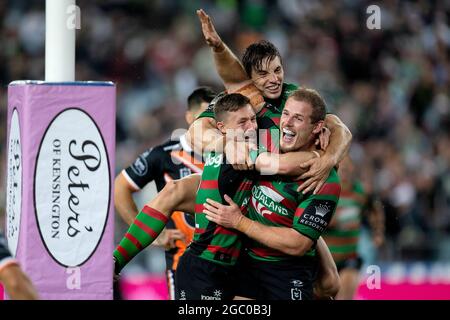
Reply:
x=143, y=231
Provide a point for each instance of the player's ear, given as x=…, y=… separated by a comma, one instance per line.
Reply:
x=318, y=127
x=221, y=127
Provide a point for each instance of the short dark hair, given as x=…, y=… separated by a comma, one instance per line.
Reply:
x=229, y=103
x=198, y=96
x=256, y=53
x=312, y=97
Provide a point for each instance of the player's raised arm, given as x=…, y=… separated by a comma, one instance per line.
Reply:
x=228, y=65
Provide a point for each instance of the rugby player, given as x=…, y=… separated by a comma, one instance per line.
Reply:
x=149, y=223
x=282, y=223
x=169, y=161
x=181, y=192
x=207, y=269
x=214, y=248
x=262, y=67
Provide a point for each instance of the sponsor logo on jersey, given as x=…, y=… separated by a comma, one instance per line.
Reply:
x=296, y=294
x=318, y=214
x=184, y=172
x=297, y=283
x=140, y=166
x=322, y=210
x=267, y=201
x=217, y=296
x=214, y=160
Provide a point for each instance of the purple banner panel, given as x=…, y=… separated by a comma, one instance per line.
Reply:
x=60, y=218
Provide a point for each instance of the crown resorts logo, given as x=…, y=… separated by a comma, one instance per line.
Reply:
x=322, y=210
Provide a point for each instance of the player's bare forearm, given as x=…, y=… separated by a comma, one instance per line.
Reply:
x=340, y=139
x=328, y=282
x=229, y=67
x=249, y=90
x=283, y=164
x=286, y=240
x=177, y=195
x=203, y=136
x=17, y=284
x=123, y=199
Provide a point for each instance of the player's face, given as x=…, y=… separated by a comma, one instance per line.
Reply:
x=269, y=80
x=241, y=123
x=297, y=130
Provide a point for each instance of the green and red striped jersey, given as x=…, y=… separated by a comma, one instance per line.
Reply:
x=343, y=234
x=211, y=241
x=276, y=202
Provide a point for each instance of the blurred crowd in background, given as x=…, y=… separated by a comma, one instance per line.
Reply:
x=390, y=86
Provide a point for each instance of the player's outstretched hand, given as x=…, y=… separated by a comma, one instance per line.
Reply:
x=212, y=38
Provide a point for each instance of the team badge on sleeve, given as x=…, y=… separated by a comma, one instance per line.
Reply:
x=318, y=214
x=140, y=166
